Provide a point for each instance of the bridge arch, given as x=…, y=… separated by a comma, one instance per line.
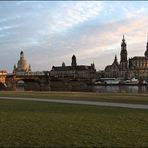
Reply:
x=20, y=85
x=30, y=84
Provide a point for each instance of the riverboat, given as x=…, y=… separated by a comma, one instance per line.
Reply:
x=118, y=81
x=108, y=81
x=132, y=81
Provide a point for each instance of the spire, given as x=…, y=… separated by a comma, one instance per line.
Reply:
x=123, y=44
x=115, y=60
x=115, y=57
x=123, y=38
x=123, y=41
x=123, y=53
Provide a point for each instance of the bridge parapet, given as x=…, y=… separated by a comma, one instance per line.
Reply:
x=27, y=74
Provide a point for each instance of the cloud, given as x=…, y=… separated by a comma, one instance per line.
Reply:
x=73, y=13
x=100, y=42
x=91, y=43
x=51, y=32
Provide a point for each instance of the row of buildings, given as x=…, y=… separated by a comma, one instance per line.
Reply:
x=127, y=68
x=73, y=71
x=69, y=78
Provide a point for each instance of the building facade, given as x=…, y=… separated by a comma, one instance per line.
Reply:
x=74, y=71
x=136, y=67
x=113, y=70
x=72, y=78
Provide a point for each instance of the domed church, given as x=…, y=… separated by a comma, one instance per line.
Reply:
x=22, y=65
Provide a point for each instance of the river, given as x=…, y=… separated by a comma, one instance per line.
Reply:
x=103, y=89
x=128, y=89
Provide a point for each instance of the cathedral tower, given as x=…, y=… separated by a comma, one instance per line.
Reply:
x=146, y=52
x=73, y=63
x=123, y=52
x=123, y=55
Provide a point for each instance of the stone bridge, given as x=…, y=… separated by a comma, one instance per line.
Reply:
x=36, y=81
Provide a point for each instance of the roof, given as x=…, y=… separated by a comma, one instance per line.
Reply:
x=108, y=67
x=114, y=65
x=139, y=58
x=65, y=68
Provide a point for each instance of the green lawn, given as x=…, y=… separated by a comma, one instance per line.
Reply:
x=28, y=123
x=108, y=97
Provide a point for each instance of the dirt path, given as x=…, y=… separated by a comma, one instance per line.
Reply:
x=96, y=103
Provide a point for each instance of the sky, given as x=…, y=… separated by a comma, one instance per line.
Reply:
x=50, y=32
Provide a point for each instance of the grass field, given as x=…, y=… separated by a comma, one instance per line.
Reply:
x=108, y=97
x=39, y=124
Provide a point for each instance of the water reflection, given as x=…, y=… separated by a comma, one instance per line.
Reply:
x=128, y=89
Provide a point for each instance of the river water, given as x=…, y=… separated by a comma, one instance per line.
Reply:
x=128, y=89
x=103, y=89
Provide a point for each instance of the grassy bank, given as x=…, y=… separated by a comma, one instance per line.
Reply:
x=108, y=97
x=27, y=123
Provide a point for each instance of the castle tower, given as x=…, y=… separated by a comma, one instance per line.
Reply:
x=146, y=52
x=73, y=63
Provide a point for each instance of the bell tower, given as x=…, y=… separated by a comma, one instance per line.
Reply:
x=123, y=60
x=123, y=53
x=146, y=52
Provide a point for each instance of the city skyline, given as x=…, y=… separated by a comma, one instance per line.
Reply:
x=51, y=32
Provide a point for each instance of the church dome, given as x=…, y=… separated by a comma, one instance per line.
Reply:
x=22, y=65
